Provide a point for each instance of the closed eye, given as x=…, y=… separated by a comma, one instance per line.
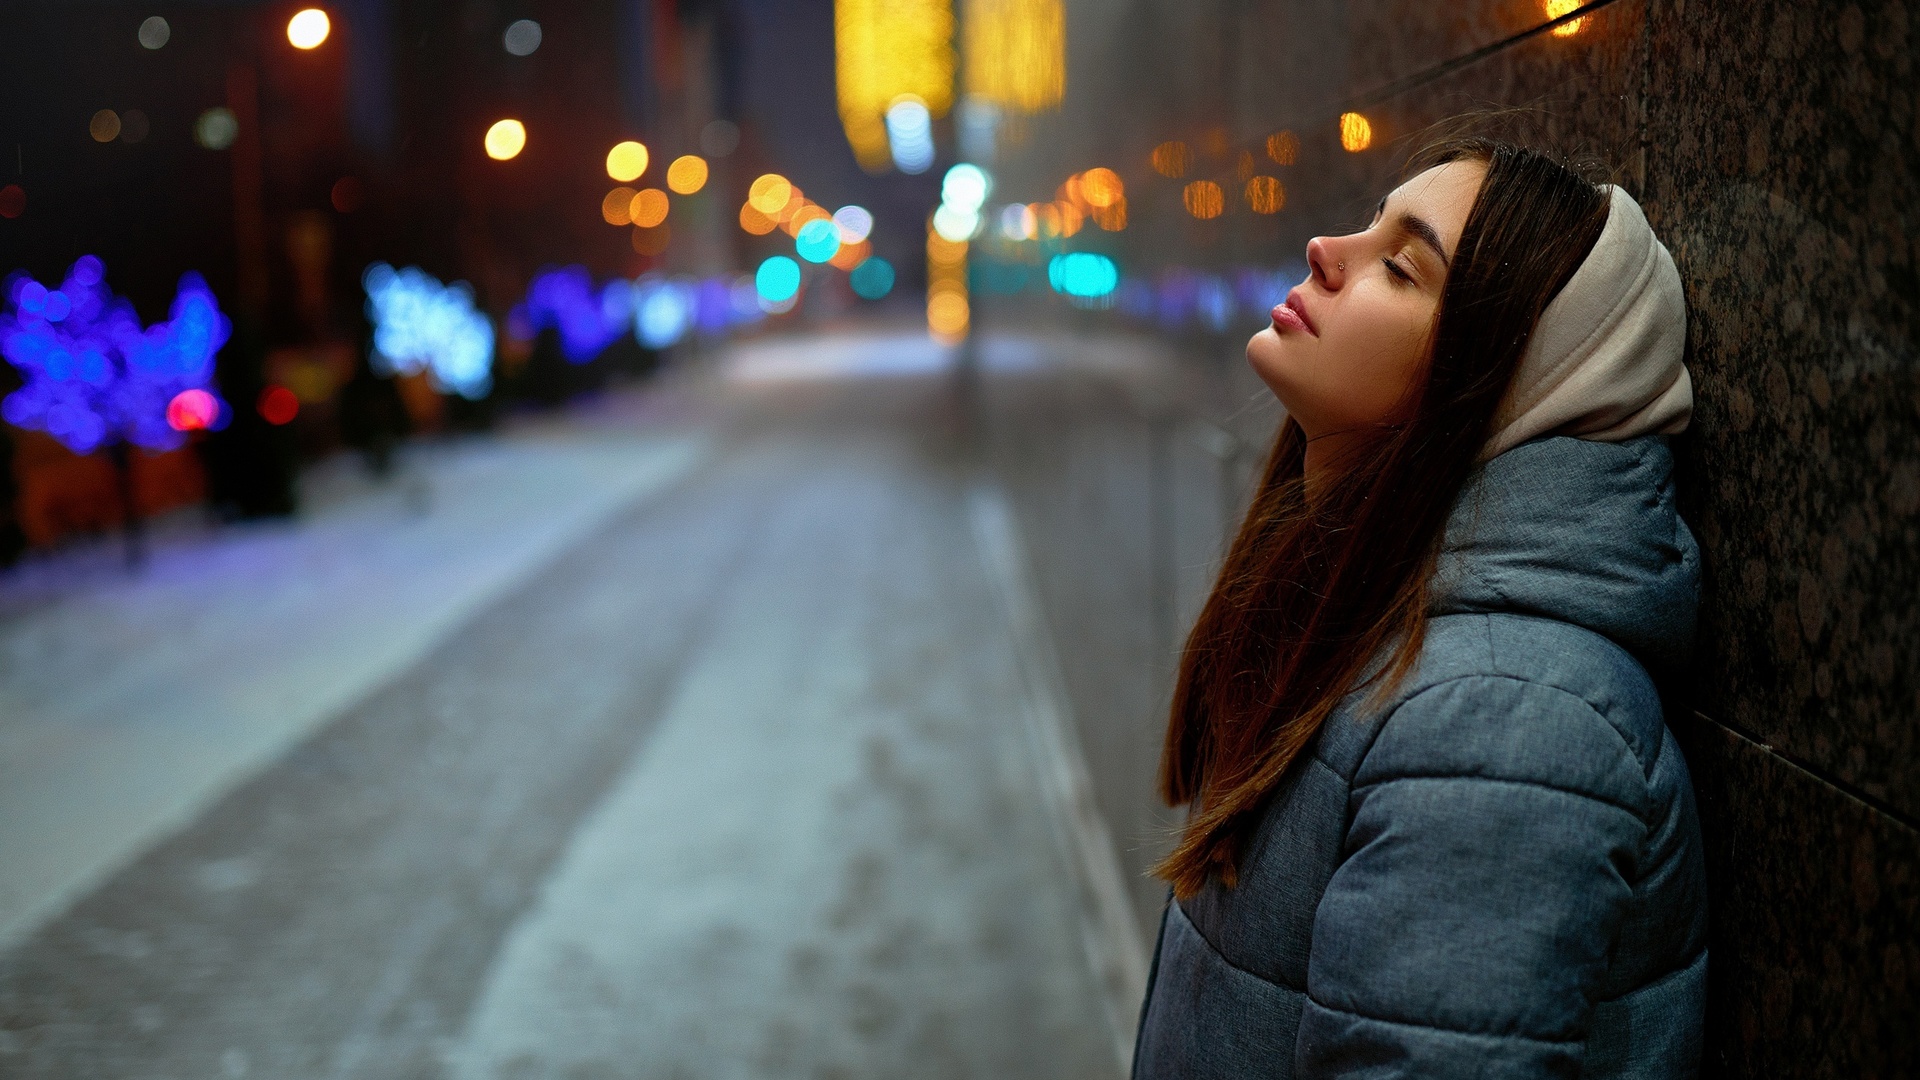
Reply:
x=1397, y=270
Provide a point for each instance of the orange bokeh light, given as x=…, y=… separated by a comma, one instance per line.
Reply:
x=617, y=207
x=1172, y=159
x=1356, y=132
x=648, y=208
x=1266, y=195
x=687, y=174
x=1204, y=199
x=1283, y=147
x=1102, y=187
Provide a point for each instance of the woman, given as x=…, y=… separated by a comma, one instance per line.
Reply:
x=1437, y=826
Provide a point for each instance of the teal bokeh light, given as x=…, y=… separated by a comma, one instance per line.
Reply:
x=817, y=241
x=1082, y=273
x=872, y=279
x=777, y=279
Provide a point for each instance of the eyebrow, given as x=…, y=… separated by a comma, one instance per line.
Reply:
x=1419, y=228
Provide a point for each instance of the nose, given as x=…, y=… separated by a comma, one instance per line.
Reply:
x=1324, y=263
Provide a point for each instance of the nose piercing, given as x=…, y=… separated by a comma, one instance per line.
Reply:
x=1342, y=266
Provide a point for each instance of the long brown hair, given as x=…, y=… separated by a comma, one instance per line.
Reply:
x=1312, y=594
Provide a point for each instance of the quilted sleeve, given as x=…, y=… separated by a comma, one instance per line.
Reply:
x=1495, y=828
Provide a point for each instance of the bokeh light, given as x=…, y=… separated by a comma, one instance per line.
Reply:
x=648, y=208
x=155, y=33
x=617, y=207
x=652, y=240
x=802, y=213
x=769, y=194
x=910, y=135
x=954, y=223
x=1069, y=218
x=1266, y=195
x=522, y=37
x=1101, y=188
x=966, y=187
x=421, y=325
x=851, y=255
x=1356, y=132
x=626, y=161
x=755, y=222
x=308, y=29
x=1016, y=53
x=1283, y=147
x=778, y=279
x=105, y=126
x=1111, y=218
x=663, y=310
x=872, y=279
x=564, y=301
x=193, y=410
x=277, y=405
x=817, y=241
x=1172, y=159
x=505, y=139
x=884, y=50
x=216, y=128
x=687, y=174
x=90, y=374
x=854, y=222
x=948, y=314
x=1204, y=199
x=1017, y=222
x=13, y=201
x=1083, y=274
x=1556, y=8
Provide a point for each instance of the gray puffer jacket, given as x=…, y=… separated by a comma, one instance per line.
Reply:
x=1499, y=874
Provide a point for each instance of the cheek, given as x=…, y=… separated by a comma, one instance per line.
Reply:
x=1381, y=353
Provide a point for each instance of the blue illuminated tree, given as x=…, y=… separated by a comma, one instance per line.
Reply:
x=93, y=377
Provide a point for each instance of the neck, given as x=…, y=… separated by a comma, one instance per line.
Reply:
x=1326, y=456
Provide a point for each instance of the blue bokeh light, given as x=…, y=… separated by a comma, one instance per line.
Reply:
x=422, y=325
x=663, y=310
x=872, y=279
x=586, y=321
x=91, y=375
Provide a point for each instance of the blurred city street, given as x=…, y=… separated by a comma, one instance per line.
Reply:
x=724, y=735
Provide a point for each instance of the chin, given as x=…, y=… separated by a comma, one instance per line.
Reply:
x=1266, y=355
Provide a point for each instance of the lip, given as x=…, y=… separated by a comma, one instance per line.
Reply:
x=1293, y=315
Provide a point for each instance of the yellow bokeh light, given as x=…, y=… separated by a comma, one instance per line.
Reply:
x=687, y=174
x=1204, y=199
x=1111, y=218
x=1266, y=195
x=616, y=208
x=884, y=49
x=1283, y=147
x=755, y=222
x=308, y=28
x=1356, y=132
x=1172, y=159
x=651, y=240
x=1016, y=52
x=769, y=194
x=942, y=252
x=1557, y=8
x=1101, y=187
x=505, y=139
x=626, y=161
x=649, y=207
x=947, y=313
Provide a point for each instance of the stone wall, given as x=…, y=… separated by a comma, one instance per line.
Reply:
x=1776, y=148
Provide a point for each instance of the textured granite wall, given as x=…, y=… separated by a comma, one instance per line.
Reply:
x=1776, y=147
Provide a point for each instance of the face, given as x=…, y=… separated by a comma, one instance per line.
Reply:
x=1348, y=346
